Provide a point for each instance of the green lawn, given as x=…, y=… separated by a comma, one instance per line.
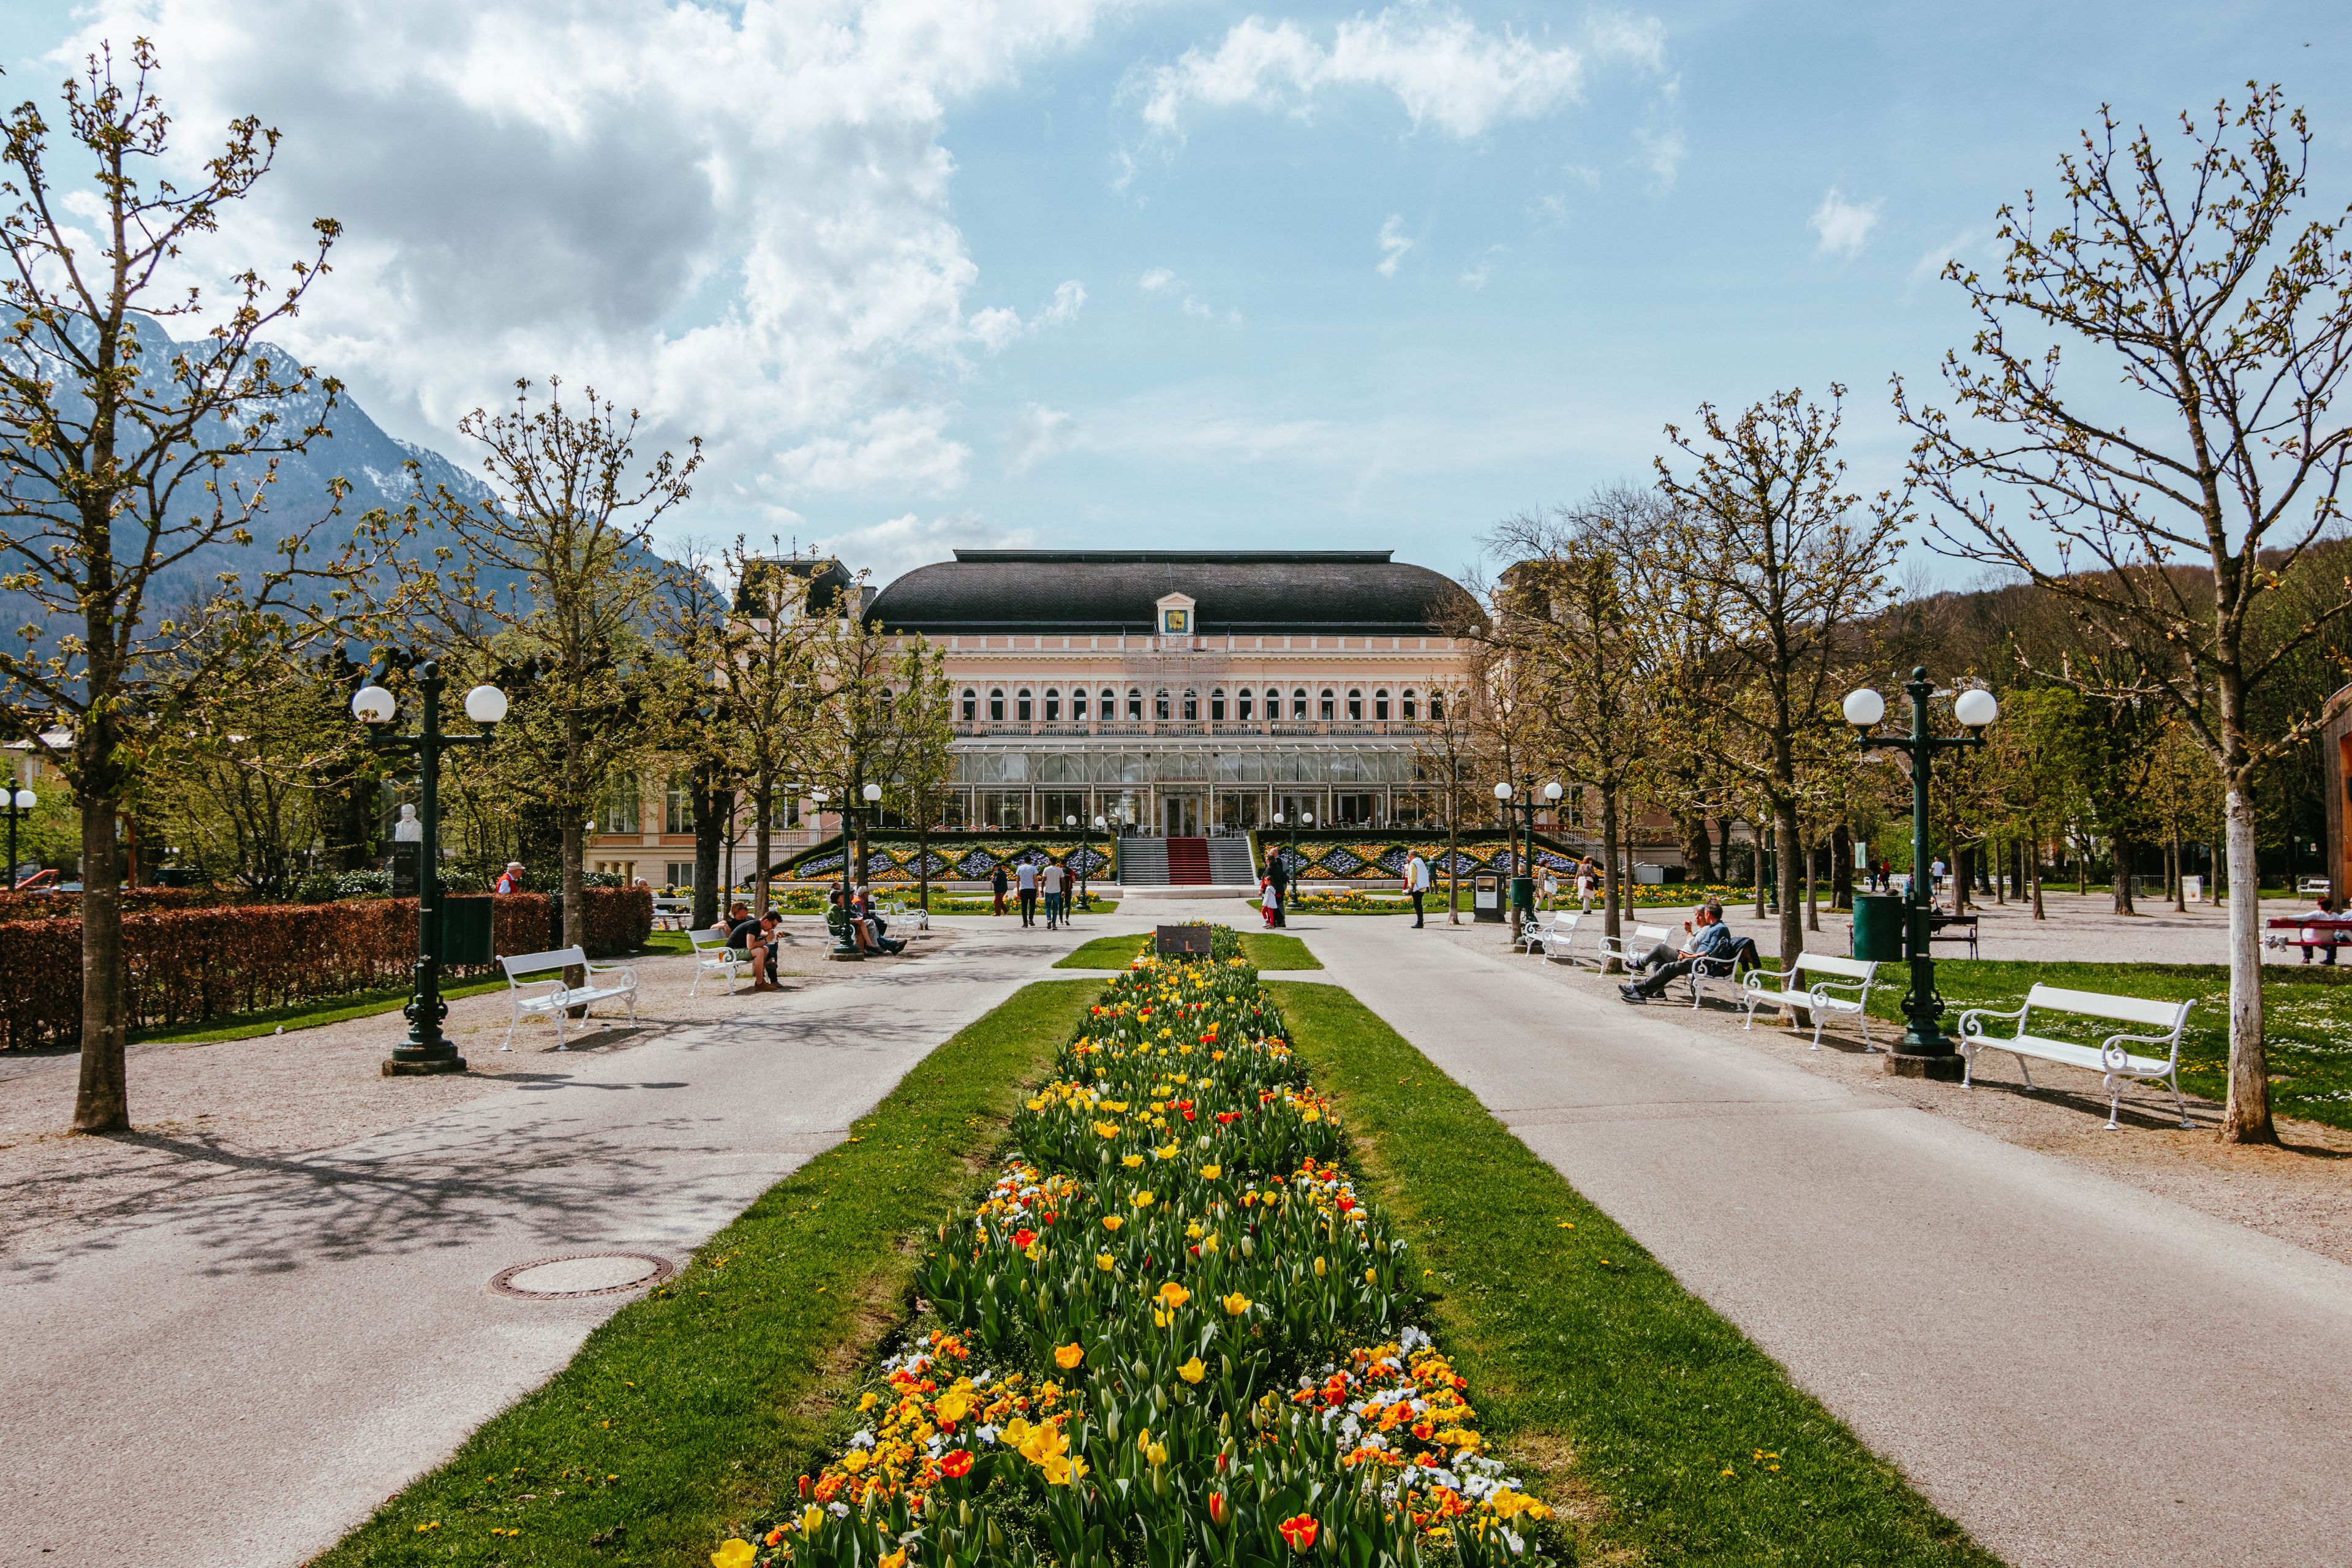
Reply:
x=2307, y=1020
x=697, y=1405
x=1598, y=1369
x=1267, y=950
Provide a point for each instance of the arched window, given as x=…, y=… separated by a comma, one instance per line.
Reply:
x=1437, y=707
x=1329, y=704
x=1355, y=704
x=971, y=706
x=1135, y=703
x=1217, y=705
x=1380, y=705
x=1021, y=706
x=1192, y=705
x=1242, y=704
x=1159, y=704
x=1411, y=706
x=1053, y=705
x=997, y=705
x=1108, y=709
x=1077, y=705
x=1299, y=703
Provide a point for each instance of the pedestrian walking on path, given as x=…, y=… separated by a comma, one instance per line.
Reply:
x=1050, y=878
x=1416, y=882
x=1277, y=876
x=1028, y=875
x=997, y=884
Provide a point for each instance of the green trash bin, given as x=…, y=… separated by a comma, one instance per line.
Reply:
x=465, y=932
x=1878, y=927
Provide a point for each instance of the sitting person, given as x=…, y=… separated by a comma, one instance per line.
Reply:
x=1710, y=938
x=871, y=916
x=862, y=932
x=756, y=939
x=2326, y=950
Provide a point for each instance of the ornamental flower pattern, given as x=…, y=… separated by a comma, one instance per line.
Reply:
x=1171, y=1330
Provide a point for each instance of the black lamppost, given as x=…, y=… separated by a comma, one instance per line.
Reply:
x=845, y=950
x=425, y=1051
x=1086, y=894
x=20, y=804
x=1523, y=852
x=1926, y=1052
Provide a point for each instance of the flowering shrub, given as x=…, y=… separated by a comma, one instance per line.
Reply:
x=1169, y=1332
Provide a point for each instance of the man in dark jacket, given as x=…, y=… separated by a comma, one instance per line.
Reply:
x=1277, y=871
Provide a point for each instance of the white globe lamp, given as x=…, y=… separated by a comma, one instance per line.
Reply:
x=1864, y=709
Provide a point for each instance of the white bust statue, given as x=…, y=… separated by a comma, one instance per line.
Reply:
x=408, y=830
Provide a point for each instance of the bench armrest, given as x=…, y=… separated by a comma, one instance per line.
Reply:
x=626, y=972
x=2113, y=1054
x=1971, y=1028
x=1825, y=991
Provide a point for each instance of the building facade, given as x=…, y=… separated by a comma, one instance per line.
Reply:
x=1187, y=692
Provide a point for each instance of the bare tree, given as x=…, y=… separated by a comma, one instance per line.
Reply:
x=2230, y=331
x=132, y=466
x=768, y=667
x=1790, y=566
x=570, y=525
x=1444, y=751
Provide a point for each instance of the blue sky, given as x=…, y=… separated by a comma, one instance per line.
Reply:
x=1070, y=274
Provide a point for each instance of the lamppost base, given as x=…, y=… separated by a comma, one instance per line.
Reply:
x=1943, y=1067
x=423, y=1066
x=845, y=955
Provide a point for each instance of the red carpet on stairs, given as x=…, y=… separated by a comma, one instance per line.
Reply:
x=1188, y=862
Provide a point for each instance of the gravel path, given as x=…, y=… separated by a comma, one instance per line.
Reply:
x=205, y=1111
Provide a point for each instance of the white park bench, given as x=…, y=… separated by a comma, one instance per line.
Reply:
x=1641, y=942
x=713, y=956
x=604, y=982
x=672, y=913
x=2110, y=1058
x=1835, y=985
x=1556, y=939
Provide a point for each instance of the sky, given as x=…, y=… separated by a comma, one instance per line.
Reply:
x=1093, y=274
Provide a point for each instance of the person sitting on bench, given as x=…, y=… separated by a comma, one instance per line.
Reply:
x=1710, y=938
x=755, y=939
x=2327, y=950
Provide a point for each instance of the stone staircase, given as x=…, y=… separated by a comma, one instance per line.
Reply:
x=1142, y=862
x=1229, y=865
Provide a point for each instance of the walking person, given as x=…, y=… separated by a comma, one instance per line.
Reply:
x=1050, y=878
x=1584, y=888
x=1027, y=877
x=511, y=879
x=997, y=884
x=1416, y=882
x=1277, y=875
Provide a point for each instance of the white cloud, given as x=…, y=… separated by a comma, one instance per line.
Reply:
x=1161, y=280
x=1038, y=433
x=1930, y=264
x=1443, y=67
x=736, y=217
x=900, y=544
x=1157, y=280
x=1393, y=246
x=1844, y=227
x=1475, y=276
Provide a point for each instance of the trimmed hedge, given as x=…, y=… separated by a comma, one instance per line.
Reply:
x=67, y=906
x=193, y=965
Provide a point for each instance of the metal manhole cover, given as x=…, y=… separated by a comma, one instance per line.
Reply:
x=584, y=1274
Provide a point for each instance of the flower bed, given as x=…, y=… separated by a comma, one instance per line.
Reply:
x=1170, y=1332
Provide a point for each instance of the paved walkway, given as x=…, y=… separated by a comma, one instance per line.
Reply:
x=242, y=1378
x=2076, y=1370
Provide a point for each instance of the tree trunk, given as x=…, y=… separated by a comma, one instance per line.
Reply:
x=923, y=861
x=1813, y=899
x=2246, y=1118
x=1698, y=858
x=2081, y=868
x=2000, y=868
x=2180, y=881
x=101, y=1099
x=1612, y=888
x=2034, y=868
x=1756, y=831
x=2121, y=878
x=763, y=803
x=575, y=925
x=1840, y=867
x=1784, y=835
x=1452, y=872
x=712, y=806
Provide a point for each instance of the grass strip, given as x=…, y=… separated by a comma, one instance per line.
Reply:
x=698, y=1404
x=1598, y=1368
x=1266, y=949
x=2306, y=1018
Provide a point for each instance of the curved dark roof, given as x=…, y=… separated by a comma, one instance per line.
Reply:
x=983, y=593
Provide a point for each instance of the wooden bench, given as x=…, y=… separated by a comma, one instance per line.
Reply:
x=713, y=956
x=1952, y=928
x=2109, y=1057
x=558, y=1000
x=1642, y=941
x=1836, y=985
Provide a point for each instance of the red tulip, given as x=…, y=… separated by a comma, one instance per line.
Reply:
x=957, y=1463
x=1299, y=1531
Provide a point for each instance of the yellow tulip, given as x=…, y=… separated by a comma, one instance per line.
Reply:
x=734, y=1555
x=952, y=1406
x=1193, y=1371
x=1211, y=1172
x=1103, y=1261
x=1107, y=1129
x=1319, y=1268
x=1172, y=1295
x=1157, y=1453
x=1112, y=1222
x=896, y=1560
x=1237, y=1303
x=811, y=1517
x=1069, y=1355
x=1143, y=1200
x=1130, y=1161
